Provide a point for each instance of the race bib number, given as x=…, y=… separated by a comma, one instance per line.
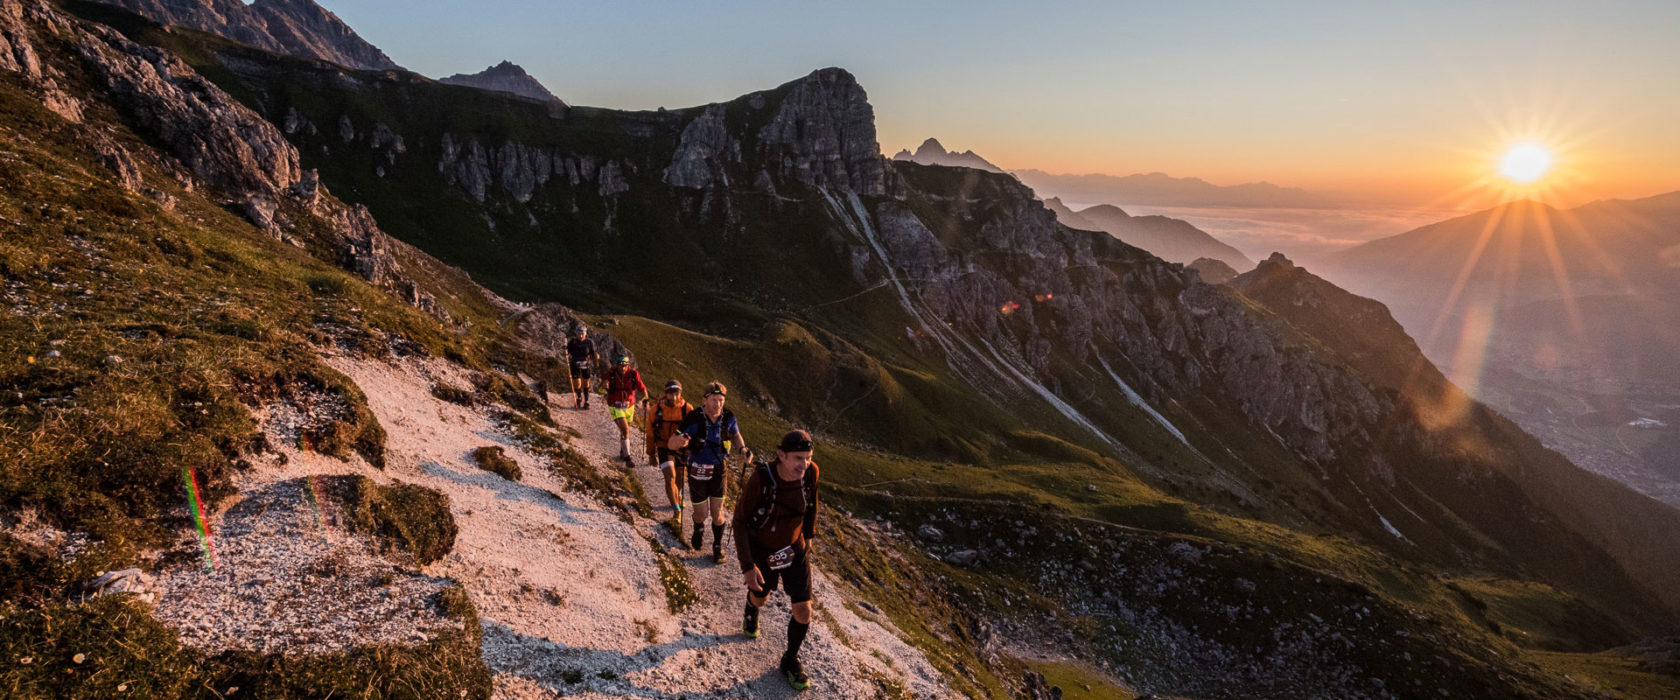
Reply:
x=700, y=472
x=621, y=404
x=782, y=558
x=580, y=364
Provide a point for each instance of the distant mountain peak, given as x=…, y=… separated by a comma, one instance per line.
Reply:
x=932, y=152
x=507, y=77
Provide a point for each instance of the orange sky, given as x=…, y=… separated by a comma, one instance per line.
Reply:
x=1406, y=102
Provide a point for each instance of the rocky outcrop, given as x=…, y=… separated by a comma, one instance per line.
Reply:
x=116, y=159
x=223, y=143
x=236, y=155
x=823, y=134
x=292, y=27
x=518, y=170
x=19, y=55
x=1213, y=271
x=705, y=147
x=506, y=77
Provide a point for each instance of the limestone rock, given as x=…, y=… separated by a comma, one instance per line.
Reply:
x=293, y=27
x=824, y=135
x=221, y=141
x=705, y=146
x=612, y=180
x=259, y=210
x=117, y=159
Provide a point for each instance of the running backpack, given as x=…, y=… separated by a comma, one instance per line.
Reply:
x=663, y=428
x=767, y=493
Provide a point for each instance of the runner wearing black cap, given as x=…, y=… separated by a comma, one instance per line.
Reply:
x=581, y=351
x=774, y=523
x=704, y=433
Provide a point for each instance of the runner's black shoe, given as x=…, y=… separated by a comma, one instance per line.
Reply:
x=795, y=674
x=717, y=552
x=749, y=622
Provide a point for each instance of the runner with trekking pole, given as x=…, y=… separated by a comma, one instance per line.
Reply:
x=581, y=351
x=775, y=520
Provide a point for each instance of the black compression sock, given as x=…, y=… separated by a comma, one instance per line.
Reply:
x=717, y=534
x=796, y=637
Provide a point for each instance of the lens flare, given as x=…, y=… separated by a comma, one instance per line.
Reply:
x=189, y=476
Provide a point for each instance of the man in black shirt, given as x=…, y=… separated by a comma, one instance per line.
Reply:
x=581, y=350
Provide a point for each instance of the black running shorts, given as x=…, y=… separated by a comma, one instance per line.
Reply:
x=665, y=454
x=580, y=372
x=701, y=489
x=797, y=575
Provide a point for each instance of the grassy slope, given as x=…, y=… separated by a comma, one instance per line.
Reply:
x=135, y=336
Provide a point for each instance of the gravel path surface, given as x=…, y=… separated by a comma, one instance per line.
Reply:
x=568, y=592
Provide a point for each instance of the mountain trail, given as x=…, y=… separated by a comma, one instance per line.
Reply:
x=845, y=655
x=568, y=590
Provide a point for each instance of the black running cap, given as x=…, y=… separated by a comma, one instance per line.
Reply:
x=796, y=441
x=673, y=385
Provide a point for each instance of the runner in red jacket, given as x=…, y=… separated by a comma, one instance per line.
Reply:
x=624, y=385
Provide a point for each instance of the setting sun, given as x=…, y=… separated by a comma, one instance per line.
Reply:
x=1525, y=163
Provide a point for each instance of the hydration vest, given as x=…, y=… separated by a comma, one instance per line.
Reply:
x=661, y=427
x=767, y=483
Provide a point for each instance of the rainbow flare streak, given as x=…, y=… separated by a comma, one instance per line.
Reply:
x=197, y=507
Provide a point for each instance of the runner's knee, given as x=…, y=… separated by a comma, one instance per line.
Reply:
x=802, y=612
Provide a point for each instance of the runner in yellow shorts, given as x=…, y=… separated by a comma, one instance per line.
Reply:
x=624, y=389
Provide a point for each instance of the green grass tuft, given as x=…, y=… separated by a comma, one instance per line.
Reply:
x=407, y=516
x=494, y=459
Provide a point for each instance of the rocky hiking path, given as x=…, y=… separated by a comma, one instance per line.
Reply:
x=709, y=656
x=569, y=594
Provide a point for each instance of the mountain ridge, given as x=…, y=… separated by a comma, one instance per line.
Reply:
x=1161, y=189
x=931, y=152
x=299, y=28
x=1174, y=240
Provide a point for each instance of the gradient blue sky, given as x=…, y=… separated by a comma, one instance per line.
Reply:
x=1412, y=100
